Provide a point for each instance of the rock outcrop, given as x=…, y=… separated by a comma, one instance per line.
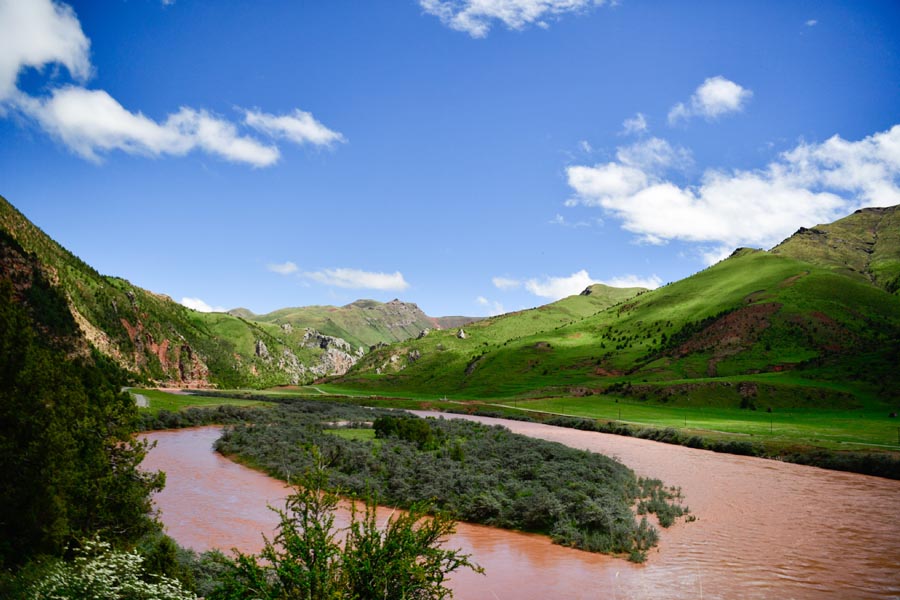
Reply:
x=314, y=339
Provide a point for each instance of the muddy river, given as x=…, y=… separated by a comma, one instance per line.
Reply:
x=765, y=529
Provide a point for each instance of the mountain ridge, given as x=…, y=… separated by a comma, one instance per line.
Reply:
x=823, y=304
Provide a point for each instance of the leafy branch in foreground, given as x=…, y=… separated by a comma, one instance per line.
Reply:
x=304, y=560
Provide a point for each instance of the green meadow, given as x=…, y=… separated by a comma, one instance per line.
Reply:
x=824, y=428
x=865, y=427
x=160, y=400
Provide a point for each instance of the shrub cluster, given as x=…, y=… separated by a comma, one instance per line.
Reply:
x=473, y=472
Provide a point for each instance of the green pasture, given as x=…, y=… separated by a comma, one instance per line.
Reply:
x=833, y=429
x=160, y=400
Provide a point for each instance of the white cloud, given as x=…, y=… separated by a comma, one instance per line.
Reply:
x=299, y=127
x=34, y=33
x=356, y=279
x=585, y=146
x=494, y=307
x=635, y=124
x=91, y=123
x=612, y=180
x=812, y=23
x=285, y=268
x=505, y=283
x=813, y=183
x=715, y=97
x=201, y=306
x=629, y=281
x=475, y=17
x=653, y=155
x=713, y=255
x=555, y=288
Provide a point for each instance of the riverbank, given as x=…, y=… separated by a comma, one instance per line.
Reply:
x=877, y=461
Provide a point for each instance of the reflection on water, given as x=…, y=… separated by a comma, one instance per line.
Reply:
x=765, y=529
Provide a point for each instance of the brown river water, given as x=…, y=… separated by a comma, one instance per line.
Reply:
x=764, y=529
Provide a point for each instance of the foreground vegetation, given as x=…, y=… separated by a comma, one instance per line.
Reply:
x=473, y=472
x=403, y=559
x=76, y=519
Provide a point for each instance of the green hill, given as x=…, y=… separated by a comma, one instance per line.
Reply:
x=362, y=323
x=863, y=245
x=815, y=321
x=760, y=329
x=159, y=340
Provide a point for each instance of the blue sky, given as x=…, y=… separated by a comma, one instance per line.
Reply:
x=472, y=157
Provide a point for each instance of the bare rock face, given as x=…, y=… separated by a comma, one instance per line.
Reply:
x=337, y=362
x=290, y=364
x=192, y=370
x=461, y=334
x=261, y=350
x=314, y=339
x=333, y=362
x=423, y=333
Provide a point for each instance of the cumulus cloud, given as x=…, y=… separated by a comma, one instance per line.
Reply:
x=92, y=123
x=629, y=281
x=201, y=306
x=654, y=154
x=714, y=98
x=285, y=268
x=299, y=127
x=555, y=288
x=36, y=33
x=493, y=307
x=813, y=183
x=505, y=283
x=476, y=17
x=634, y=125
x=357, y=279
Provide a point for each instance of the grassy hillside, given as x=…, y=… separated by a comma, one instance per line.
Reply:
x=494, y=354
x=709, y=338
x=159, y=340
x=154, y=337
x=864, y=245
